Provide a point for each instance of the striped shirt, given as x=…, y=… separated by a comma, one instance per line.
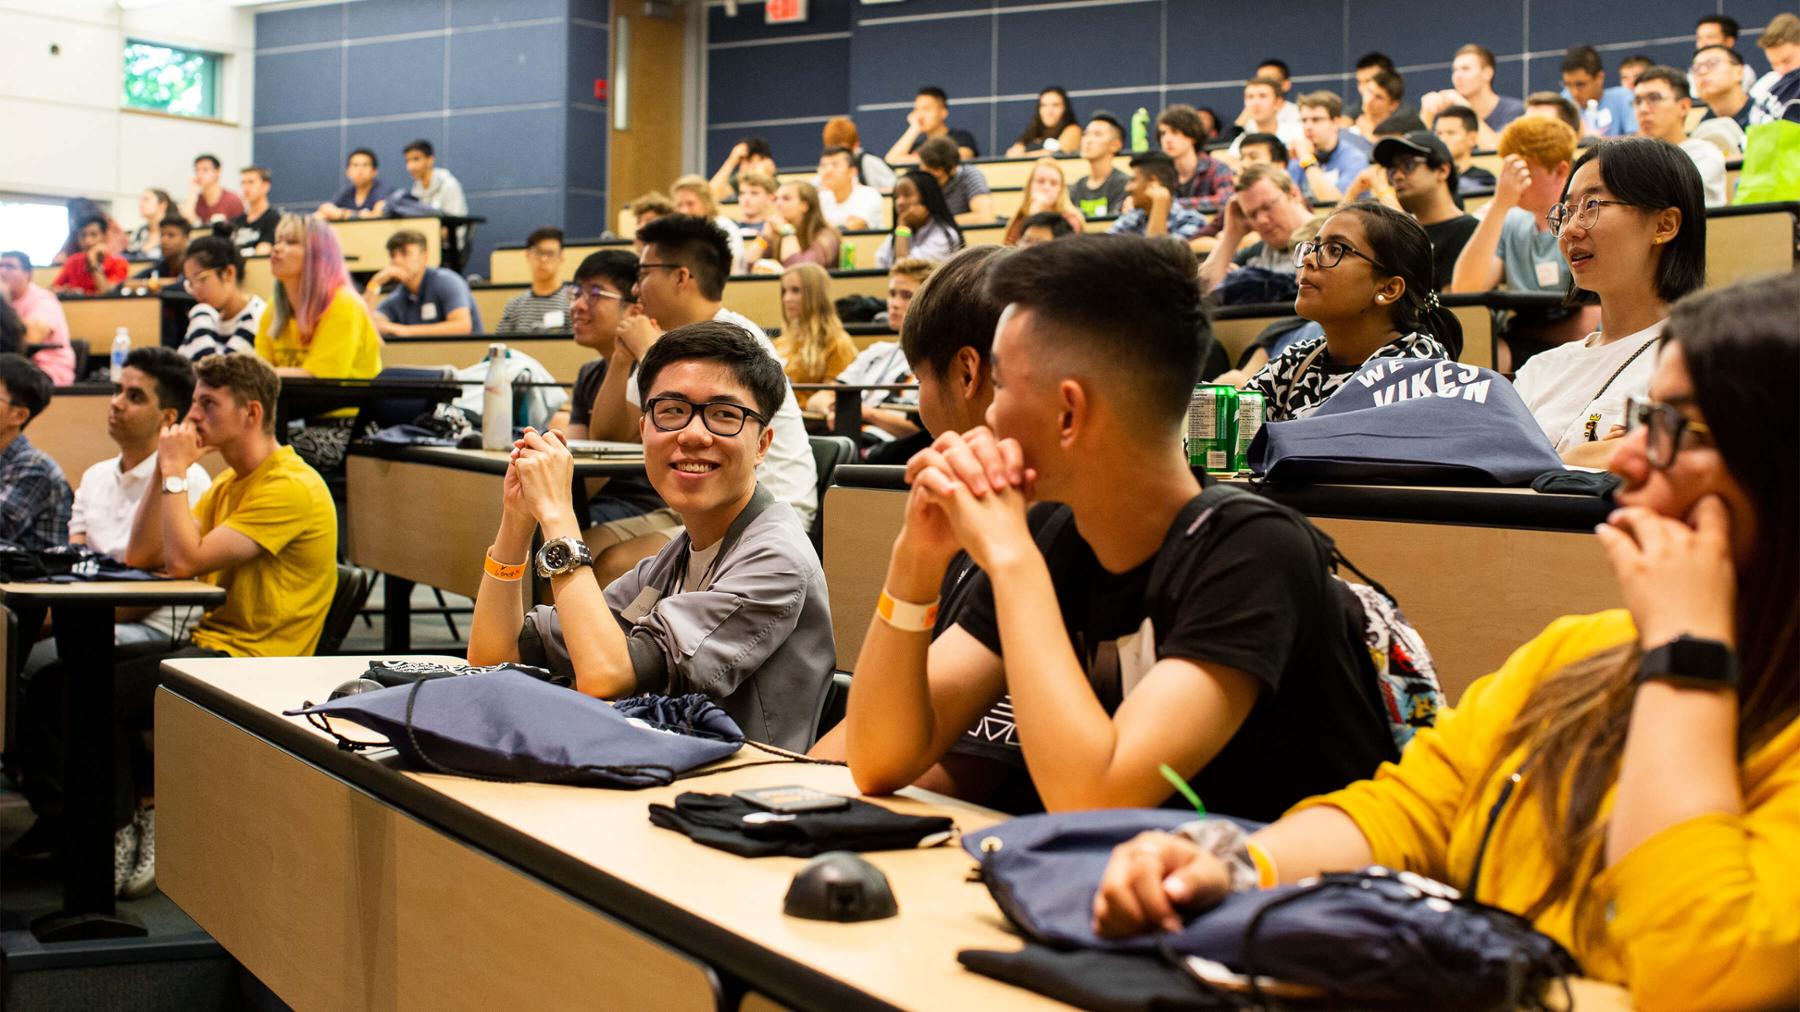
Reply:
x=208, y=334
x=527, y=312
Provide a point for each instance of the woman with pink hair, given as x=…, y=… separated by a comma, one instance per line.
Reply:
x=316, y=326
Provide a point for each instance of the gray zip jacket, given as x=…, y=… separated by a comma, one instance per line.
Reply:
x=757, y=639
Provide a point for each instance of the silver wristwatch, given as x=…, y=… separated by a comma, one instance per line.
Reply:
x=562, y=555
x=175, y=485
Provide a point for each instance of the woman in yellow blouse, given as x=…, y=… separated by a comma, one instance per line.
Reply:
x=1629, y=781
x=316, y=325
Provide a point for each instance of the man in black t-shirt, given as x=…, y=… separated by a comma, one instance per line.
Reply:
x=929, y=120
x=1138, y=625
x=254, y=230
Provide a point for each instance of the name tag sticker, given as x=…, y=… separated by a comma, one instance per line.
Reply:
x=1547, y=273
x=642, y=604
x=428, y=312
x=553, y=320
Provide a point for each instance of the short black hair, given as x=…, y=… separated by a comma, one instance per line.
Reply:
x=1461, y=112
x=25, y=384
x=90, y=219
x=935, y=92
x=1675, y=79
x=1130, y=301
x=207, y=158
x=1636, y=60
x=1110, y=120
x=1278, y=151
x=953, y=310
x=940, y=153
x=544, y=233
x=1391, y=82
x=21, y=256
x=836, y=150
x=1731, y=55
x=422, y=146
x=173, y=373
x=1052, y=220
x=618, y=266
x=1728, y=26
x=758, y=146
x=1375, y=59
x=728, y=345
x=694, y=243
x=402, y=239
x=1157, y=164
x=215, y=253
x=1280, y=65
x=1581, y=58
x=178, y=223
x=374, y=163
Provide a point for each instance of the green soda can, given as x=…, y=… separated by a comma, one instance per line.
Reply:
x=1251, y=412
x=1212, y=427
x=847, y=256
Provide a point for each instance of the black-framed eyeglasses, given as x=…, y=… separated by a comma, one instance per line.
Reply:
x=644, y=266
x=1589, y=212
x=1667, y=426
x=1404, y=164
x=1329, y=254
x=588, y=293
x=670, y=413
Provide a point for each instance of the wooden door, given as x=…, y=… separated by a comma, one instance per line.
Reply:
x=645, y=96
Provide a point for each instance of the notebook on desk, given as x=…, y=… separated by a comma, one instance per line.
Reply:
x=605, y=449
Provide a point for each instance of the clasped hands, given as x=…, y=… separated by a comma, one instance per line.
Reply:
x=970, y=491
x=540, y=479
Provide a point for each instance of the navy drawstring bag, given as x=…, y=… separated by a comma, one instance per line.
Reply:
x=510, y=726
x=1410, y=422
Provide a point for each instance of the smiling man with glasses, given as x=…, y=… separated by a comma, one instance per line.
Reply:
x=734, y=606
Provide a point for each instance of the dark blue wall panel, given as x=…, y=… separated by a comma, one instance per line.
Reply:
x=504, y=89
x=299, y=86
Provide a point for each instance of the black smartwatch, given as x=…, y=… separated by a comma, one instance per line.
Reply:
x=1691, y=661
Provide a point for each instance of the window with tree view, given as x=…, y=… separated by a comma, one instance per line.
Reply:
x=182, y=82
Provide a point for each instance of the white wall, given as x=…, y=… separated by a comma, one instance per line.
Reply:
x=66, y=134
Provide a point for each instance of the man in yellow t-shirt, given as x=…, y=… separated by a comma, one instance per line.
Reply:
x=265, y=531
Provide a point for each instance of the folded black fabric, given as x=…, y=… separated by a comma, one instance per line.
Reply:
x=1094, y=979
x=1598, y=484
x=735, y=825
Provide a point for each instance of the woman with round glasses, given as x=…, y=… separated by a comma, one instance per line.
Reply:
x=1367, y=279
x=1628, y=781
x=1632, y=226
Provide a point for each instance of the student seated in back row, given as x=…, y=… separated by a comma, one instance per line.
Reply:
x=546, y=305
x=1628, y=781
x=225, y=317
x=1139, y=625
x=427, y=302
x=734, y=607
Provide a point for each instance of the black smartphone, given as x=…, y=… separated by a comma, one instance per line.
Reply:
x=793, y=799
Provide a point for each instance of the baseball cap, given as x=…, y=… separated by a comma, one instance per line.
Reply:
x=1417, y=142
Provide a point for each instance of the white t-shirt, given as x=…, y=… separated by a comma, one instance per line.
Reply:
x=864, y=202
x=734, y=236
x=699, y=566
x=1711, y=163
x=1563, y=386
x=107, y=501
x=787, y=470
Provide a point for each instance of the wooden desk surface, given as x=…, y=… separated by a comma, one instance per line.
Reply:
x=121, y=592
x=719, y=907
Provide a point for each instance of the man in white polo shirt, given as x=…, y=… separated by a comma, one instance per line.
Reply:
x=845, y=201
x=155, y=389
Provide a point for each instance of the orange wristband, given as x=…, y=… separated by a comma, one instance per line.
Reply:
x=500, y=570
x=904, y=615
x=1267, y=877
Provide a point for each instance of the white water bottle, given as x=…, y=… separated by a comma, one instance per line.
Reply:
x=496, y=402
x=121, y=348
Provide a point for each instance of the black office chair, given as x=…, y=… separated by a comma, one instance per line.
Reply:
x=353, y=586
x=833, y=703
x=828, y=452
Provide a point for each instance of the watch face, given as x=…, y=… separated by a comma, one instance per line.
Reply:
x=556, y=555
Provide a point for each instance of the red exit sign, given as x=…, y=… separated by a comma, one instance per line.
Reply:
x=784, y=12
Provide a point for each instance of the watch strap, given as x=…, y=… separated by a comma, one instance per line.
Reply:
x=1691, y=660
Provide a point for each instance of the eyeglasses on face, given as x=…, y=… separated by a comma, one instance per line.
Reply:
x=1588, y=213
x=671, y=413
x=1329, y=254
x=1667, y=426
x=589, y=293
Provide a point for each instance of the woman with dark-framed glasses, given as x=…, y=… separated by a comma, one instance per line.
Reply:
x=733, y=607
x=1629, y=781
x=1368, y=280
x=1632, y=226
